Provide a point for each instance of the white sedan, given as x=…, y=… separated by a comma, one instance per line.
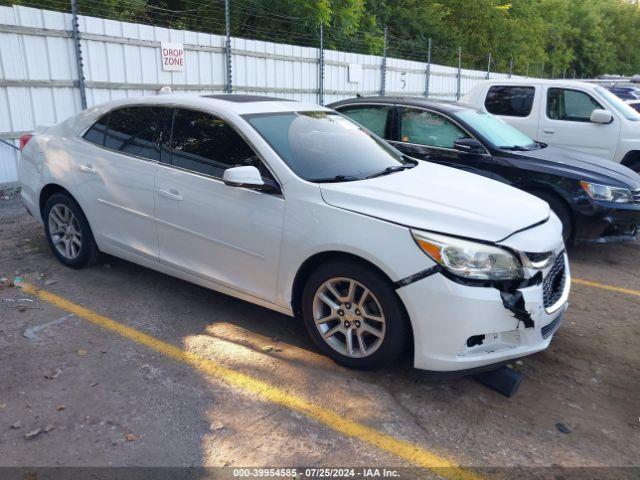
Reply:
x=293, y=207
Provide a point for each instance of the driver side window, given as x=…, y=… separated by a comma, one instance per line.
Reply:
x=207, y=144
x=428, y=128
x=570, y=105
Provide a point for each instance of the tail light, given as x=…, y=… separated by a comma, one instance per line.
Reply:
x=24, y=139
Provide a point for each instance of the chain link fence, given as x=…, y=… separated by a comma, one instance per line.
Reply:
x=71, y=55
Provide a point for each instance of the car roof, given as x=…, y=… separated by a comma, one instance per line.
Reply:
x=438, y=105
x=537, y=81
x=239, y=104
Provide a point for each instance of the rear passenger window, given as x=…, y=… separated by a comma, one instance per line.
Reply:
x=207, y=144
x=570, y=105
x=96, y=133
x=373, y=118
x=510, y=101
x=139, y=131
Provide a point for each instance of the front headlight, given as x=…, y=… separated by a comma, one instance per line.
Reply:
x=469, y=259
x=608, y=194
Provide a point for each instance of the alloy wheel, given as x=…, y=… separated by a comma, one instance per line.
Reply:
x=65, y=231
x=349, y=317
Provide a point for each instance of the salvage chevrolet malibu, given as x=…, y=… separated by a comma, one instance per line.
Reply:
x=296, y=208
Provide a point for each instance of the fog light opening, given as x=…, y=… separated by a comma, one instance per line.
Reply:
x=475, y=340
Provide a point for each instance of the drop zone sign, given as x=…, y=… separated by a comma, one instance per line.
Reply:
x=172, y=57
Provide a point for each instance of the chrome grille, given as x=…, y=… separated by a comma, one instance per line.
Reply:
x=636, y=195
x=553, y=284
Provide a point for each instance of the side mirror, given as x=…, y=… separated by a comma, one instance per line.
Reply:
x=248, y=177
x=469, y=145
x=600, y=115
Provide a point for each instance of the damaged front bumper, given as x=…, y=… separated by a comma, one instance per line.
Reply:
x=461, y=327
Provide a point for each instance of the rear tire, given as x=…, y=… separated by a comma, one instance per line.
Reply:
x=68, y=231
x=344, y=298
x=563, y=213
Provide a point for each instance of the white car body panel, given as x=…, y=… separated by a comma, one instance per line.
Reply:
x=422, y=198
x=231, y=236
x=118, y=190
x=251, y=244
x=612, y=141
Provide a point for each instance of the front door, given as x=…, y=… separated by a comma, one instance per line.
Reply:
x=566, y=123
x=229, y=235
x=430, y=136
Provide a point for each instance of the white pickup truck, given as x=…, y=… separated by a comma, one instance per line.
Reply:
x=565, y=113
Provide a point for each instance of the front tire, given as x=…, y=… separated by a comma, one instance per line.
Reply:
x=68, y=231
x=354, y=316
x=563, y=213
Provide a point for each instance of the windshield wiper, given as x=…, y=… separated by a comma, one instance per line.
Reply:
x=516, y=148
x=392, y=169
x=336, y=179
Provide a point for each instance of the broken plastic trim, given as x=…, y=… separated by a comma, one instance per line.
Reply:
x=417, y=276
x=514, y=302
x=502, y=285
x=512, y=298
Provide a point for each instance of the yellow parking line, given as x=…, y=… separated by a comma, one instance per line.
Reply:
x=611, y=288
x=248, y=384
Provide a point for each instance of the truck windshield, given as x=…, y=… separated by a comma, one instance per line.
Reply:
x=496, y=131
x=619, y=105
x=324, y=146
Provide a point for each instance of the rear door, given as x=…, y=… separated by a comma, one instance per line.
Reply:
x=518, y=105
x=376, y=118
x=116, y=180
x=566, y=122
x=229, y=235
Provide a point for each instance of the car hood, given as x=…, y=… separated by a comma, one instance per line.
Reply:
x=582, y=166
x=441, y=199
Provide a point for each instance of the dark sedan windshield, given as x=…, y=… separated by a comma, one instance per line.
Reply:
x=496, y=131
x=324, y=146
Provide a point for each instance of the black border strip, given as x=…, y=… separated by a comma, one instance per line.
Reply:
x=417, y=276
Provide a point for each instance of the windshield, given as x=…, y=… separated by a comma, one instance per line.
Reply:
x=325, y=146
x=496, y=131
x=619, y=105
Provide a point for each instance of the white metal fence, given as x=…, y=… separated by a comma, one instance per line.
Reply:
x=39, y=77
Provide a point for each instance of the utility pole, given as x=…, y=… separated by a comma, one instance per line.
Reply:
x=78, y=50
x=489, y=66
x=428, y=72
x=227, y=46
x=459, y=73
x=383, y=82
x=321, y=67
x=511, y=66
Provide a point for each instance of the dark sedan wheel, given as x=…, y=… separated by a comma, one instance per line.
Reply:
x=68, y=231
x=563, y=213
x=354, y=316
